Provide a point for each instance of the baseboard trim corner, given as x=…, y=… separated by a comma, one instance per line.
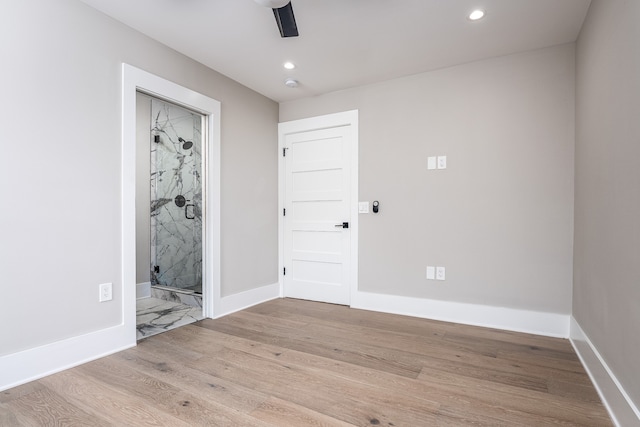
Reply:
x=35, y=363
x=532, y=322
x=620, y=406
x=240, y=301
x=143, y=290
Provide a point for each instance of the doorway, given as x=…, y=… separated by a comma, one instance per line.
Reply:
x=318, y=196
x=175, y=135
x=169, y=219
x=138, y=81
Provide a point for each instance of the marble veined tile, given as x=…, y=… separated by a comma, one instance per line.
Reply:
x=194, y=300
x=154, y=316
x=176, y=196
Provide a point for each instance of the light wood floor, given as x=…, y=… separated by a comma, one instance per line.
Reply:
x=298, y=363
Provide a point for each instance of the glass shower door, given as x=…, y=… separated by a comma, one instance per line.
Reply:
x=176, y=197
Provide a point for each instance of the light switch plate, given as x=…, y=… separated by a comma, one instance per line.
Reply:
x=442, y=162
x=431, y=273
x=440, y=273
x=431, y=163
x=363, y=207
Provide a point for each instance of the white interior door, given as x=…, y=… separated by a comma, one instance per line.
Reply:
x=318, y=226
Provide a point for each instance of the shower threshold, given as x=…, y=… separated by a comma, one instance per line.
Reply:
x=182, y=296
x=176, y=290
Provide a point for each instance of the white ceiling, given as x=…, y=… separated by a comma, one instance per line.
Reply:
x=346, y=43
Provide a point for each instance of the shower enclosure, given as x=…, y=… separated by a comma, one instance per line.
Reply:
x=176, y=197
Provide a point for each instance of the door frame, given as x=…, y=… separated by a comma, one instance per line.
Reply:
x=136, y=80
x=346, y=118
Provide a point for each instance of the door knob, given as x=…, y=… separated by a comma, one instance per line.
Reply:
x=343, y=225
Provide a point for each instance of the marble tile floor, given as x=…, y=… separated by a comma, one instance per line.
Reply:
x=179, y=296
x=154, y=316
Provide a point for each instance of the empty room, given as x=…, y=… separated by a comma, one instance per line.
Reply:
x=335, y=212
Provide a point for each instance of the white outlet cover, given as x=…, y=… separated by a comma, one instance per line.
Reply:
x=363, y=207
x=431, y=273
x=106, y=292
x=440, y=273
x=431, y=163
x=442, y=162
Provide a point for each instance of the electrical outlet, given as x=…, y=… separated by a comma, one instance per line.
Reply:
x=442, y=162
x=106, y=292
x=440, y=273
x=363, y=207
x=431, y=273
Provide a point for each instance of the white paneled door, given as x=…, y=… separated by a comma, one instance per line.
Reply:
x=317, y=215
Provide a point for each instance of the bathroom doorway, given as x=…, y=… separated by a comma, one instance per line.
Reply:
x=136, y=170
x=169, y=205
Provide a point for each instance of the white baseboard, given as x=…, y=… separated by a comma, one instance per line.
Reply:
x=532, y=322
x=29, y=365
x=32, y=364
x=620, y=406
x=143, y=290
x=240, y=301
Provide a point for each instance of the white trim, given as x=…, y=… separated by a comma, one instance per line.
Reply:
x=32, y=364
x=282, y=183
x=620, y=406
x=346, y=118
x=240, y=301
x=353, y=117
x=510, y=319
x=133, y=80
x=143, y=290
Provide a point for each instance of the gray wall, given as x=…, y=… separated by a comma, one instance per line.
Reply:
x=143, y=193
x=500, y=217
x=606, y=294
x=61, y=169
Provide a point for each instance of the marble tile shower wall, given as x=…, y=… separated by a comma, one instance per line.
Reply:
x=176, y=197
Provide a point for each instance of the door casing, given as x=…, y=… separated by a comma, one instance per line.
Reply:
x=346, y=118
x=136, y=80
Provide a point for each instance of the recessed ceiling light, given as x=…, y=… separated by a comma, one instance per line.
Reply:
x=291, y=82
x=289, y=65
x=476, y=14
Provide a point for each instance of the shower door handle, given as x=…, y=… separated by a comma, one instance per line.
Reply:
x=186, y=211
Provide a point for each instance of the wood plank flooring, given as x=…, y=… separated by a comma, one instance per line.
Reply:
x=299, y=363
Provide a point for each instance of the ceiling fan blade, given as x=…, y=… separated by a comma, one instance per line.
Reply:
x=286, y=21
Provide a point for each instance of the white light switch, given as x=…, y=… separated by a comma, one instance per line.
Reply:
x=363, y=207
x=440, y=273
x=442, y=162
x=431, y=163
x=431, y=273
